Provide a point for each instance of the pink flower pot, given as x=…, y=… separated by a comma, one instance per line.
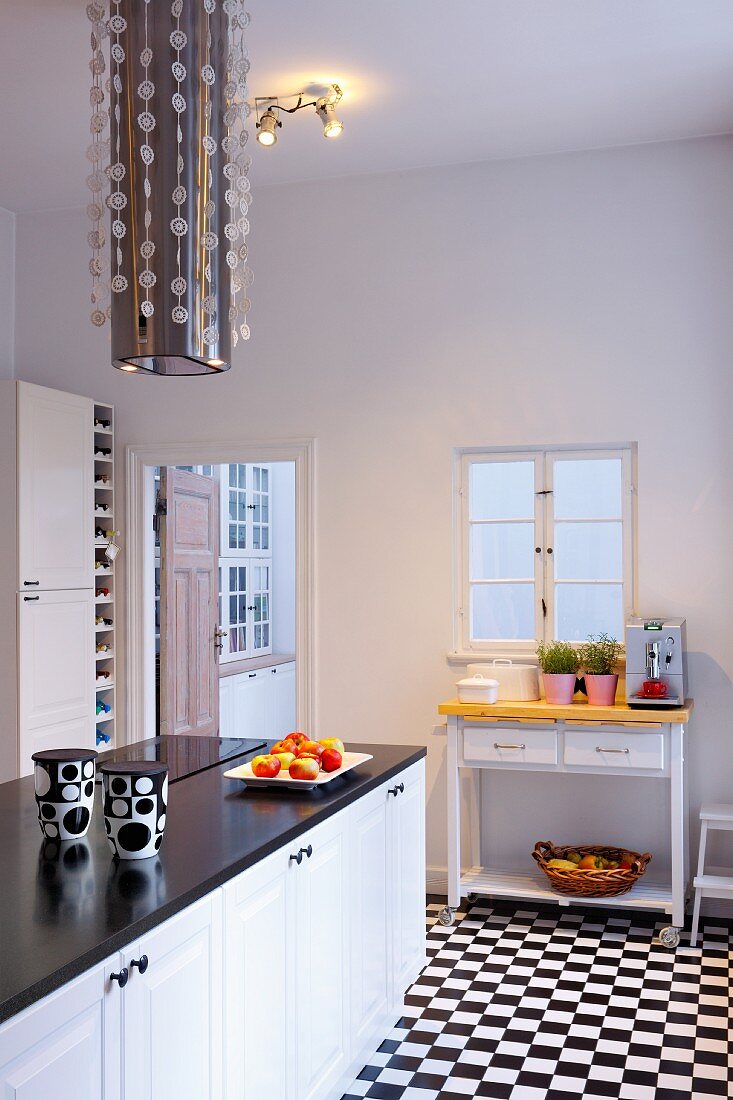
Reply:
x=559, y=687
x=601, y=690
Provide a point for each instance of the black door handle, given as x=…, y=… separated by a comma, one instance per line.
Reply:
x=122, y=977
x=29, y=583
x=142, y=963
x=399, y=789
x=30, y=599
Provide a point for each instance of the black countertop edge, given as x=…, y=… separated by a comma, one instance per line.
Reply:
x=120, y=940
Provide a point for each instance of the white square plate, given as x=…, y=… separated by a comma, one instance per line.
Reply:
x=283, y=779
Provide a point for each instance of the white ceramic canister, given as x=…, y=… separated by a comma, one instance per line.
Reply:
x=518, y=683
x=478, y=689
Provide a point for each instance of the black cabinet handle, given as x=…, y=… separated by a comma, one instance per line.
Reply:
x=30, y=599
x=399, y=789
x=251, y=675
x=29, y=583
x=122, y=977
x=307, y=851
x=142, y=963
x=298, y=857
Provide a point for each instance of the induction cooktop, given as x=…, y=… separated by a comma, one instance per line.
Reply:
x=186, y=755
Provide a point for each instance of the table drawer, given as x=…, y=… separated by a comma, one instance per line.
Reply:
x=509, y=745
x=599, y=748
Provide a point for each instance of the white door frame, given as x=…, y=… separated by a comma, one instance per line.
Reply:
x=140, y=685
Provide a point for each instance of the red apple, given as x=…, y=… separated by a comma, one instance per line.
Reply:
x=285, y=758
x=304, y=767
x=331, y=760
x=296, y=738
x=265, y=767
x=333, y=743
x=312, y=747
x=279, y=746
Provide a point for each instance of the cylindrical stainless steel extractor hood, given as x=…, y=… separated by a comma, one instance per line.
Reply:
x=179, y=190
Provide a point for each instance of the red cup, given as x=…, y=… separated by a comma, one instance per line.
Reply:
x=654, y=689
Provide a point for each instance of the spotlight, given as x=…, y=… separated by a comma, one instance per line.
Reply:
x=267, y=128
x=332, y=125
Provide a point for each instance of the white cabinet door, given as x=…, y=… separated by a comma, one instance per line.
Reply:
x=407, y=847
x=55, y=489
x=369, y=948
x=252, y=705
x=261, y=930
x=67, y=1046
x=322, y=970
x=172, y=1012
x=282, y=678
x=56, y=677
x=226, y=699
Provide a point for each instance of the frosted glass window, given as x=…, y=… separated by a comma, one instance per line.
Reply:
x=502, y=611
x=502, y=550
x=588, y=488
x=501, y=490
x=583, y=609
x=589, y=551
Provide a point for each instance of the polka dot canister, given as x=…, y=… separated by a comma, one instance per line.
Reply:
x=64, y=782
x=135, y=801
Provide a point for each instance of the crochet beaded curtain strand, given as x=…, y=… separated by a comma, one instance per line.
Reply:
x=169, y=176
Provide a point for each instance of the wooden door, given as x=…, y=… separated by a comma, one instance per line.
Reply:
x=67, y=1046
x=189, y=597
x=172, y=1012
x=55, y=489
x=56, y=672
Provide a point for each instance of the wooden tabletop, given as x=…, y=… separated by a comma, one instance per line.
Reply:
x=576, y=712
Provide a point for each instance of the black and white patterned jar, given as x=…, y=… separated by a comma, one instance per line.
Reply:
x=135, y=800
x=64, y=781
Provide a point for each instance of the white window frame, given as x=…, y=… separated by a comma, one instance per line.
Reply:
x=464, y=649
x=225, y=550
x=250, y=563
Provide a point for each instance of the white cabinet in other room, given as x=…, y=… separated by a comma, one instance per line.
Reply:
x=406, y=811
x=66, y=1047
x=55, y=672
x=259, y=703
x=282, y=679
x=252, y=704
x=172, y=1008
x=55, y=489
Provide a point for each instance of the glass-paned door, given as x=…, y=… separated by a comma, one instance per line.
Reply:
x=260, y=608
x=260, y=508
x=235, y=536
x=237, y=610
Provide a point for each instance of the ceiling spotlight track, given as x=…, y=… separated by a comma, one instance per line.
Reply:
x=325, y=107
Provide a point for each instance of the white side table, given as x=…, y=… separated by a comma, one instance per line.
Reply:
x=713, y=815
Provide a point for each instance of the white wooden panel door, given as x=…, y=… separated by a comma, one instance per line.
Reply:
x=173, y=1012
x=66, y=1047
x=322, y=977
x=55, y=489
x=56, y=677
x=369, y=949
x=253, y=705
x=262, y=955
x=189, y=604
x=407, y=847
x=282, y=679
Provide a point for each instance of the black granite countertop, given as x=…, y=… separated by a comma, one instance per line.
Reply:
x=65, y=907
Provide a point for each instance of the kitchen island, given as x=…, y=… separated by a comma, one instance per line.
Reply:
x=265, y=952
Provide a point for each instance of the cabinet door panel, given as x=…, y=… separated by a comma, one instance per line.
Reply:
x=55, y=489
x=369, y=948
x=252, y=705
x=172, y=1012
x=56, y=697
x=68, y=1045
x=407, y=845
x=322, y=967
x=260, y=923
x=283, y=680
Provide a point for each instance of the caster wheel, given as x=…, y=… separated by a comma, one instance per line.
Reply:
x=472, y=899
x=446, y=917
x=669, y=937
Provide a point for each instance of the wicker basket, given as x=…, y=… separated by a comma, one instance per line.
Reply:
x=590, y=884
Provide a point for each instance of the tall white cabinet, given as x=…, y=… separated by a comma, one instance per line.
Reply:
x=47, y=573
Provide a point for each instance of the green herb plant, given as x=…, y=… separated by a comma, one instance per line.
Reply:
x=600, y=654
x=558, y=658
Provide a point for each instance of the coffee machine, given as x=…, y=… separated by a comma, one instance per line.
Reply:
x=656, y=662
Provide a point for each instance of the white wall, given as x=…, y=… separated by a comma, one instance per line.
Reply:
x=7, y=292
x=283, y=556
x=567, y=299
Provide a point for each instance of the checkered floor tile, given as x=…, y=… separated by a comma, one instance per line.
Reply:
x=533, y=1002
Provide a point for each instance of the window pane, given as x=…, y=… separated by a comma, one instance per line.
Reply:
x=265, y=510
x=501, y=490
x=258, y=609
x=256, y=510
x=241, y=513
x=583, y=609
x=258, y=637
x=232, y=504
x=588, y=551
x=233, y=578
x=502, y=550
x=587, y=488
x=265, y=538
x=265, y=635
x=256, y=476
x=265, y=476
x=232, y=609
x=265, y=606
x=243, y=578
x=233, y=475
x=502, y=611
x=232, y=536
x=242, y=475
x=256, y=538
x=242, y=537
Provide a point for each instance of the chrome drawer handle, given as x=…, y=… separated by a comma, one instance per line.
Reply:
x=498, y=746
x=600, y=749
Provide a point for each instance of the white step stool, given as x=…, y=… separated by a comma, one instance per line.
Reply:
x=713, y=815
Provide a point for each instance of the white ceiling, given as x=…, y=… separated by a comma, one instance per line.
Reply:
x=426, y=83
